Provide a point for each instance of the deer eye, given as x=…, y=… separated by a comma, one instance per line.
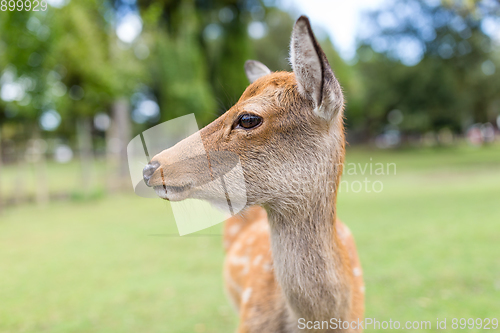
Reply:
x=248, y=121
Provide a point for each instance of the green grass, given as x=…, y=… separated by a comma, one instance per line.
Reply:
x=430, y=241
x=105, y=266
x=429, y=245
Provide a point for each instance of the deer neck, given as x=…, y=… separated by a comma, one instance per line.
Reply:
x=308, y=262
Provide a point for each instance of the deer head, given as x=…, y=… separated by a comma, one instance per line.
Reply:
x=286, y=130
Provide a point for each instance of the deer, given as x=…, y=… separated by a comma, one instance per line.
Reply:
x=290, y=265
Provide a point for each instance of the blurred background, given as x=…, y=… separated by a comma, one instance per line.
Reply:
x=79, y=252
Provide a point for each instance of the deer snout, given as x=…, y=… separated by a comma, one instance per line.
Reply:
x=149, y=170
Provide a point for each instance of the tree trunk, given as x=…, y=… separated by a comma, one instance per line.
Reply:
x=1, y=198
x=19, y=194
x=38, y=149
x=118, y=137
x=85, y=151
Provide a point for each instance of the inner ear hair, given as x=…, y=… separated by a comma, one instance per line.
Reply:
x=315, y=78
x=255, y=69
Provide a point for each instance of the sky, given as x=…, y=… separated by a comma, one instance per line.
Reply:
x=340, y=18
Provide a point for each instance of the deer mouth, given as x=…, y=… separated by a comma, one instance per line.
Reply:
x=172, y=193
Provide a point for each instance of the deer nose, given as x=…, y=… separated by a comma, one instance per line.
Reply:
x=149, y=170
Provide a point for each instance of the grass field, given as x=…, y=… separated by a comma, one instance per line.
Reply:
x=429, y=244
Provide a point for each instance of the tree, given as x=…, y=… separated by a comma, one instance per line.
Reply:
x=428, y=62
x=66, y=61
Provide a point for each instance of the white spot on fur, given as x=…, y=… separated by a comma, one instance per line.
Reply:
x=357, y=271
x=267, y=267
x=250, y=239
x=235, y=260
x=341, y=234
x=241, y=261
x=246, y=295
x=257, y=260
x=234, y=229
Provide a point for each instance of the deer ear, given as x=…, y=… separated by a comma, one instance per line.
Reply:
x=314, y=76
x=255, y=69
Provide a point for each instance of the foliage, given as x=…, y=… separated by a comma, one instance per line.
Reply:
x=66, y=60
x=423, y=58
x=427, y=61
